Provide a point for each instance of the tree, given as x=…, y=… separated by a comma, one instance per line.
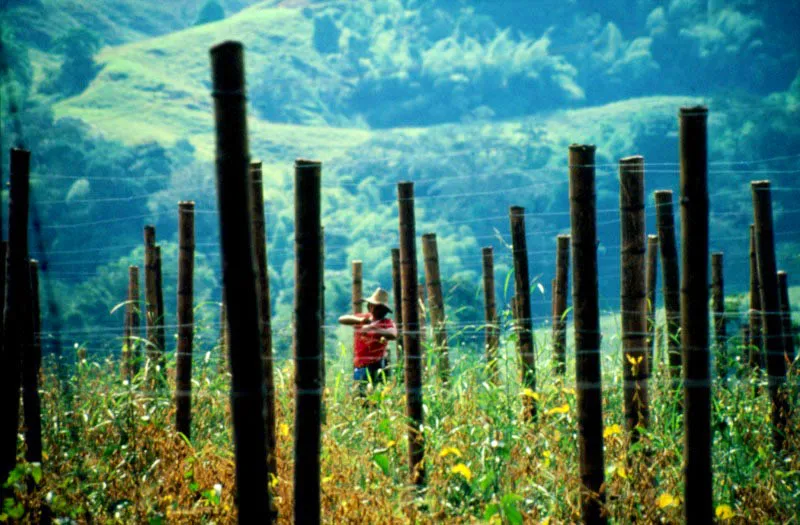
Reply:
x=211, y=11
x=78, y=70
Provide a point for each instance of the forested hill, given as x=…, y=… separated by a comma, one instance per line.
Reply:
x=476, y=101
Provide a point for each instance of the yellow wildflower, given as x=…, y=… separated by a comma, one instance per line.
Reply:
x=724, y=512
x=284, y=429
x=563, y=409
x=666, y=500
x=612, y=430
x=449, y=450
x=527, y=392
x=463, y=470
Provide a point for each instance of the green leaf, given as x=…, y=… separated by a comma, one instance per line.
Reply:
x=36, y=472
x=491, y=510
x=510, y=511
x=382, y=461
x=508, y=280
x=16, y=512
x=193, y=486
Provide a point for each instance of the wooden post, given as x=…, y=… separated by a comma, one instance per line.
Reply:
x=411, y=332
x=161, y=336
x=31, y=369
x=522, y=289
x=397, y=292
x=430, y=254
x=224, y=337
x=756, y=341
x=15, y=314
x=492, y=331
x=772, y=324
x=698, y=506
x=185, y=313
x=786, y=318
x=586, y=319
x=651, y=272
x=358, y=287
x=151, y=300
x=633, y=295
x=264, y=310
x=238, y=274
x=132, y=324
x=670, y=282
x=560, y=293
x=308, y=344
x=718, y=304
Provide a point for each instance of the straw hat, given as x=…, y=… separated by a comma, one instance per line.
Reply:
x=379, y=297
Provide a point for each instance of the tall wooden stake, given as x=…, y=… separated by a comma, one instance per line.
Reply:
x=264, y=310
x=651, y=272
x=770, y=306
x=31, y=369
x=718, y=305
x=586, y=315
x=522, y=289
x=411, y=332
x=132, y=358
x=238, y=274
x=786, y=318
x=308, y=343
x=633, y=295
x=492, y=330
x=560, y=293
x=430, y=254
x=16, y=312
x=358, y=287
x=756, y=340
x=183, y=372
x=397, y=292
x=670, y=281
x=694, y=315
x=151, y=301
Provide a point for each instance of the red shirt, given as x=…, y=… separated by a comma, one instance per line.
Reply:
x=368, y=347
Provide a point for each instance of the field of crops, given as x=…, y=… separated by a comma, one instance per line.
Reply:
x=117, y=459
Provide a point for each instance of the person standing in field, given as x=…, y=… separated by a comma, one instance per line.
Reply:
x=373, y=331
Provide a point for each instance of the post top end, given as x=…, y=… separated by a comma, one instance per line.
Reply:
x=149, y=227
x=760, y=184
x=652, y=237
x=563, y=237
x=582, y=147
x=429, y=236
x=228, y=46
x=307, y=163
x=487, y=249
x=694, y=111
x=517, y=210
x=255, y=164
x=663, y=194
x=633, y=159
x=186, y=204
x=357, y=262
x=716, y=255
x=782, y=274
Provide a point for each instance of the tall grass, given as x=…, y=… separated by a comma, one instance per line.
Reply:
x=117, y=459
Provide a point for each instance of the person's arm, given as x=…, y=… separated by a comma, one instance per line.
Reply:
x=353, y=320
x=389, y=333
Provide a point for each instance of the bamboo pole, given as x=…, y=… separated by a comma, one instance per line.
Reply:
x=560, y=293
x=586, y=318
x=308, y=343
x=264, y=310
x=633, y=295
x=397, y=292
x=698, y=506
x=15, y=312
x=770, y=306
x=185, y=313
x=491, y=331
x=670, y=282
x=523, y=292
x=430, y=254
x=786, y=318
x=238, y=274
x=756, y=341
x=411, y=332
x=151, y=300
x=131, y=361
x=651, y=276
x=31, y=369
x=718, y=303
x=358, y=287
